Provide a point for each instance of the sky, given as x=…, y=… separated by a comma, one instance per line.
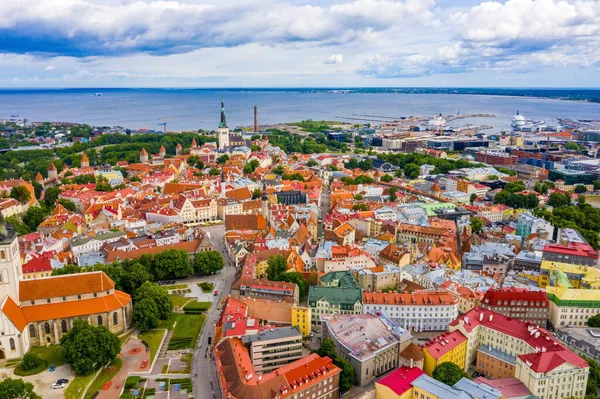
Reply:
x=340, y=43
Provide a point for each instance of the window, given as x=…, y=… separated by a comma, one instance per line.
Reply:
x=115, y=318
x=31, y=331
x=63, y=326
x=95, y=295
x=33, y=302
x=12, y=344
x=48, y=300
x=78, y=296
x=99, y=319
x=2, y=255
x=64, y=298
x=47, y=328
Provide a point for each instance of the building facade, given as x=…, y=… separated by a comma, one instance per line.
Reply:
x=273, y=348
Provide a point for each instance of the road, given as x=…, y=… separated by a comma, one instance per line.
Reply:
x=325, y=200
x=204, y=373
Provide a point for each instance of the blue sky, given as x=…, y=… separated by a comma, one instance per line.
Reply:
x=250, y=43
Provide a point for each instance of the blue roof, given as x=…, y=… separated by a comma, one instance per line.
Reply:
x=439, y=389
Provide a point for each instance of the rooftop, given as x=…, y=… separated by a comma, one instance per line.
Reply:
x=363, y=335
x=273, y=334
x=400, y=380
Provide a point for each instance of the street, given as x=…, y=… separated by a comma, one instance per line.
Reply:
x=204, y=374
x=325, y=200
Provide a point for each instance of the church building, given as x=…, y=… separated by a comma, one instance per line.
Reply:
x=39, y=311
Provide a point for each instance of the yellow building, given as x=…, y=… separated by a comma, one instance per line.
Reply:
x=554, y=274
x=572, y=307
x=448, y=347
x=301, y=318
x=397, y=384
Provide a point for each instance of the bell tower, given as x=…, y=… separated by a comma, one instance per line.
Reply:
x=223, y=129
x=10, y=262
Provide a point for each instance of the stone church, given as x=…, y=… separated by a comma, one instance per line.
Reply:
x=39, y=311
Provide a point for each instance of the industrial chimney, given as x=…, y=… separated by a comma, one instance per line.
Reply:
x=255, y=118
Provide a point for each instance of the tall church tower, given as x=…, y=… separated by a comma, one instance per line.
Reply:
x=10, y=262
x=223, y=129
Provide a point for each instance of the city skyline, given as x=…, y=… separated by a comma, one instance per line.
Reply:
x=363, y=43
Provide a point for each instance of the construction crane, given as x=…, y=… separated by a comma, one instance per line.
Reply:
x=164, y=125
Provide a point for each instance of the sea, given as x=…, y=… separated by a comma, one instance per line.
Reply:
x=192, y=109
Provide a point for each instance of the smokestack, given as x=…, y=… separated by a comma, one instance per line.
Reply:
x=255, y=118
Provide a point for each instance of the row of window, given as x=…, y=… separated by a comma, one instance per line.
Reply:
x=63, y=325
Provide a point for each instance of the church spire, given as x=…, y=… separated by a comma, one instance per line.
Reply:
x=223, y=123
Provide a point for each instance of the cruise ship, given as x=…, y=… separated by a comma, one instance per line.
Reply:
x=521, y=124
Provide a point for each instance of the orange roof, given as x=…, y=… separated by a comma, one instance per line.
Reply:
x=14, y=313
x=60, y=310
x=84, y=158
x=144, y=152
x=67, y=285
x=419, y=299
x=51, y=166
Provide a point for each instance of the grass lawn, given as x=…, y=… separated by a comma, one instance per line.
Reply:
x=51, y=354
x=77, y=386
x=186, y=331
x=179, y=300
x=168, y=324
x=152, y=338
x=103, y=377
x=175, y=287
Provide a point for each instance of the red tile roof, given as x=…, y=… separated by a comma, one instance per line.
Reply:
x=444, y=343
x=400, y=380
x=543, y=362
x=573, y=249
x=67, y=285
x=492, y=296
x=421, y=299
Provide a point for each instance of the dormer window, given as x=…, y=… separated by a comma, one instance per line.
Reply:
x=48, y=300
x=33, y=302
x=95, y=295
x=64, y=298
x=78, y=296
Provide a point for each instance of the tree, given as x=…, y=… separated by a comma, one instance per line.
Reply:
x=214, y=172
x=102, y=184
x=472, y=198
x=411, y=171
x=386, y=178
x=222, y=159
x=68, y=205
x=492, y=177
x=557, y=200
x=572, y=146
x=358, y=197
x=20, y=227
x=135, y=276
x=347, y=376
x=31, y=361
x=37, y=189
x=145, y=314
x=476, y=225
x=532, y=201
x=276, y=266
x=135, y=178
x=87, y=347
x=361, y=207
x=51, y=195
x=256, y=193
x=156, y=294
x=311, y=163
x=33, y=217
x=596, y=184
x=393, y=196
x=16, y=388
x=85, y=179
x=208, y=262
x=172, y=262
x=580, y=188
x=298, y=279
x=365, y=164
x=448, y=373
x=594, y=321
x=20, y=193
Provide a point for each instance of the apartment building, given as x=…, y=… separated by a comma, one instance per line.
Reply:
x=519, y=303
x=273, y=348
x=338, y=293
x=301, y=318
x=501, y=344
x=447, y=347
x=577, y=253
x=423, y=311
x=379, y=278
x=572, y=307
x=568, y=275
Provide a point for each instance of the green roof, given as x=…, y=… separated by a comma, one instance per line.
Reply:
x=344, y=297
x=344, y=279
x=431, y=208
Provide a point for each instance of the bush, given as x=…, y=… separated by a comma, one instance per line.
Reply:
x=30, y=365
x=186, y=383
x=179, y=343
x=132, y=381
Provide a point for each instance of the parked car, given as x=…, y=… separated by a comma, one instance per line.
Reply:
x=58, y=386
x=216, y=293
x=62, y=381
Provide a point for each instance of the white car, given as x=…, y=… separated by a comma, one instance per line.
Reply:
x=58, y=386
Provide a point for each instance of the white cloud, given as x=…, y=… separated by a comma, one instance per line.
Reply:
x=334, y=59
x=49, y=68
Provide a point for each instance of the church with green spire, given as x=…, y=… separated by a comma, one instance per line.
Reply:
x=223, y=130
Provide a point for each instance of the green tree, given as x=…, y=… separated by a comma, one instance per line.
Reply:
x=448, y=373
x=158, y=295
x=87, y=347
x=580, y=188
x=386, y=178
x=492, y=177
x=31, y=361
x=365, y=164
x=311, y=163
x=214, y=172
x=222, y=159
x=208, y=262
x=298, y=279
x=20, y=193
x=348, y=375
x=68, y=205
x=532, y=201
x=557, y=200
x=393, y=196
x=276, y=266
x=84, y=179
x=411, y=171
x=33, y=217
x=476, y=224
x=135, y=178
x=472, y=198
x=572, y=146
x=145, y=314
x=37, y=188
x=594, y=321
x=136, y=275
x=358, y=197
x=51, y=195
x=20, y=227
x=596, y=184
x=256, y=193
x=171, y=263
x=361, y=207
x=16, y=388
